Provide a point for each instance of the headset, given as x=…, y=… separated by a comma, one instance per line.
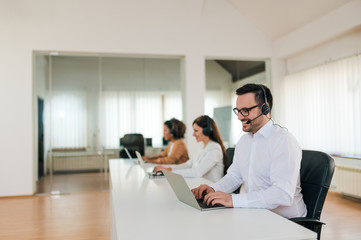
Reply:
x=208, y=129
x=170, y=126
x=265, y=108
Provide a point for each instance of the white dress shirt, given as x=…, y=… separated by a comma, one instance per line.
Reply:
x=207, y=163
x=268, y=165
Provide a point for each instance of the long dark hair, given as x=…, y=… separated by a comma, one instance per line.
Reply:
x=212, y=131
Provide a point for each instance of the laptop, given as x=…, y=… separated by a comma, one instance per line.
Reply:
x=150, y=173
x=128, y=154
x=184, y=194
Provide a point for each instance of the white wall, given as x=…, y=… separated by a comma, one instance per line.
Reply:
x=217, y=78
x=343, y=46
x=157, y=27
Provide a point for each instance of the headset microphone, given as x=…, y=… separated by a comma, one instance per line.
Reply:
x=249, y=121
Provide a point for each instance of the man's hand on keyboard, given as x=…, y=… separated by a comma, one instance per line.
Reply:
x=201, y=191
x=218, y=197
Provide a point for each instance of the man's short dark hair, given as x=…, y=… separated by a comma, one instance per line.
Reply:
x=258, y=92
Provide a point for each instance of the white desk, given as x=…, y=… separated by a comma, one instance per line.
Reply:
x=143, y=208
x=114, y=152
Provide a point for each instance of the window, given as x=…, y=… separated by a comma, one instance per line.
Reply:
x=138, y=112
x=323, y=107
x=68, y=119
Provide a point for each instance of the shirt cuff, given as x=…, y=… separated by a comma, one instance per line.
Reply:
x=239, y=200
x=214, y=187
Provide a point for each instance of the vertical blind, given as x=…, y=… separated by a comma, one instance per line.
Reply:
x=122, y=112
x=68, y=119
x=137, y=112
x=323, y=107
x=172, y=105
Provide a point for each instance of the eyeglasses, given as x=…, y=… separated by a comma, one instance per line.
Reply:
x=244, y=111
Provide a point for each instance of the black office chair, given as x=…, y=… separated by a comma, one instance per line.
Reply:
x=229, y=153
x=317, y=169
x=133, y=142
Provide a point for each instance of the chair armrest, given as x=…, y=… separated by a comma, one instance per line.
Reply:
x=310, y=223
x=305, y=219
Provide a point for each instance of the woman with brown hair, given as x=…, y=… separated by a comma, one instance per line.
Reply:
x=176, y=151
x=209, y=161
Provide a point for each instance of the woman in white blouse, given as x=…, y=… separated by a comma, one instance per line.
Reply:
x=209, y=161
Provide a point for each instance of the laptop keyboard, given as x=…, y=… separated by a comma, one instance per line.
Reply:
x=203, y=205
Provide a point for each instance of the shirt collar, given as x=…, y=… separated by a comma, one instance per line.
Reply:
x=209, y=143
x=265, y=131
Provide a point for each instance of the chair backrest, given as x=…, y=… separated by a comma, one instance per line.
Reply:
x=133, y=142
x=229, y=153
x=317, y=169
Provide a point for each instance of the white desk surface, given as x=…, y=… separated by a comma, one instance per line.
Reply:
x=143, y=208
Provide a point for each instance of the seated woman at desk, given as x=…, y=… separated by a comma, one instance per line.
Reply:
x=176, y=151
x=209, y=161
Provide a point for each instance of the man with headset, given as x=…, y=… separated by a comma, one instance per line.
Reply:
x=266, y=161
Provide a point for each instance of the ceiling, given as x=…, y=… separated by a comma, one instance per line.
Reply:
x=242, y=69
x=276, y=18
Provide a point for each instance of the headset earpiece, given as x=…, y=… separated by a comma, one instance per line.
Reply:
x=171, y=130
x=208, y=129
x=265, y=108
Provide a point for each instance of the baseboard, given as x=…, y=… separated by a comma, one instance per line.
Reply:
x=16, y=196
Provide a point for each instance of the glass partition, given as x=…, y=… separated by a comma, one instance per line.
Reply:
x=91, y=102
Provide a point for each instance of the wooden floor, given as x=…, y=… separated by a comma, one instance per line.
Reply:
x=82, y=216
x=342, y=218
x=86, y=214
x=65, y=183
